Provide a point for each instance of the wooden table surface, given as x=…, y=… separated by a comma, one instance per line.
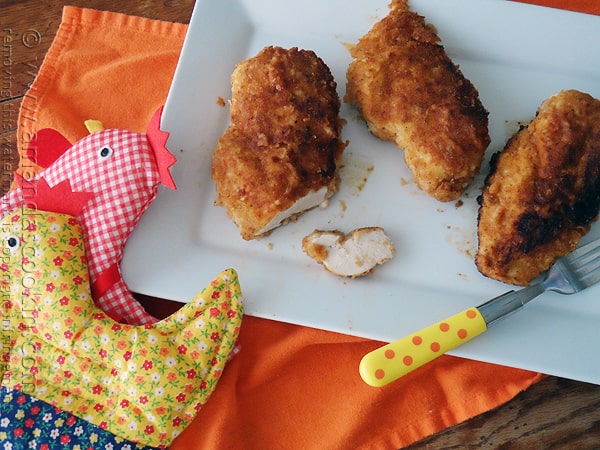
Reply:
x=555, y=413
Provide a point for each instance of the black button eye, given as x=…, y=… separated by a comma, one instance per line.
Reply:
x=12, y=243
x=105, y=152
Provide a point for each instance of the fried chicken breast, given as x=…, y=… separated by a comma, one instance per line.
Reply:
x=543, y=190
x=279, y=157
x=410, y=92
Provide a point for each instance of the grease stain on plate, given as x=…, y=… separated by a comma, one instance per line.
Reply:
x=355, y=171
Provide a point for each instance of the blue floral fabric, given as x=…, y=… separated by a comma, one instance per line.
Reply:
x=27, y=423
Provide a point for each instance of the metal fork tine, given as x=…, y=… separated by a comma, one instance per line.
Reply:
x=592, y=278
x=586, y=264
x=583, y=254
x=590, y=267
x=587, y=261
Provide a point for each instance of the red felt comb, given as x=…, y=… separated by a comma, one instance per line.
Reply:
x=158, y=141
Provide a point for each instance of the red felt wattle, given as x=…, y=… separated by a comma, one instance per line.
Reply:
x=37, y=194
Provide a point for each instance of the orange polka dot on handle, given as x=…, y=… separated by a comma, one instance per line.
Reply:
x=390, y=362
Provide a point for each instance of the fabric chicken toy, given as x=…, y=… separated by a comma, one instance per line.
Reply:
x=122, y=170
x=81, y=362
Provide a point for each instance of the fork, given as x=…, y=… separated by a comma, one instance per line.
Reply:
x=568, y=275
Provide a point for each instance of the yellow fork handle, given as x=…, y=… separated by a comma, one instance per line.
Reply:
x=392, y=361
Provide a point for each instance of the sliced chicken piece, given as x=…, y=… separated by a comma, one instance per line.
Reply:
x=349, y=255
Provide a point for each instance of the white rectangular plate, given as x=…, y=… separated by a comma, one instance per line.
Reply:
x=516, y=55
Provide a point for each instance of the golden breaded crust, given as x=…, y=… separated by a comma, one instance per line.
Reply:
x=285, y=97
x=411, y=93
x=543, y=190
x=284, y=138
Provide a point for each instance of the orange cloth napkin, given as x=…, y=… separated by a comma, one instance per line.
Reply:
x=291, y=386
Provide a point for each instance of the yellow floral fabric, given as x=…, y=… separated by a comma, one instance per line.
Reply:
x=143, y=383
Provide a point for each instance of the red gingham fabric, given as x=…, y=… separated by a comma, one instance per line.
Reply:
x=119, y=167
